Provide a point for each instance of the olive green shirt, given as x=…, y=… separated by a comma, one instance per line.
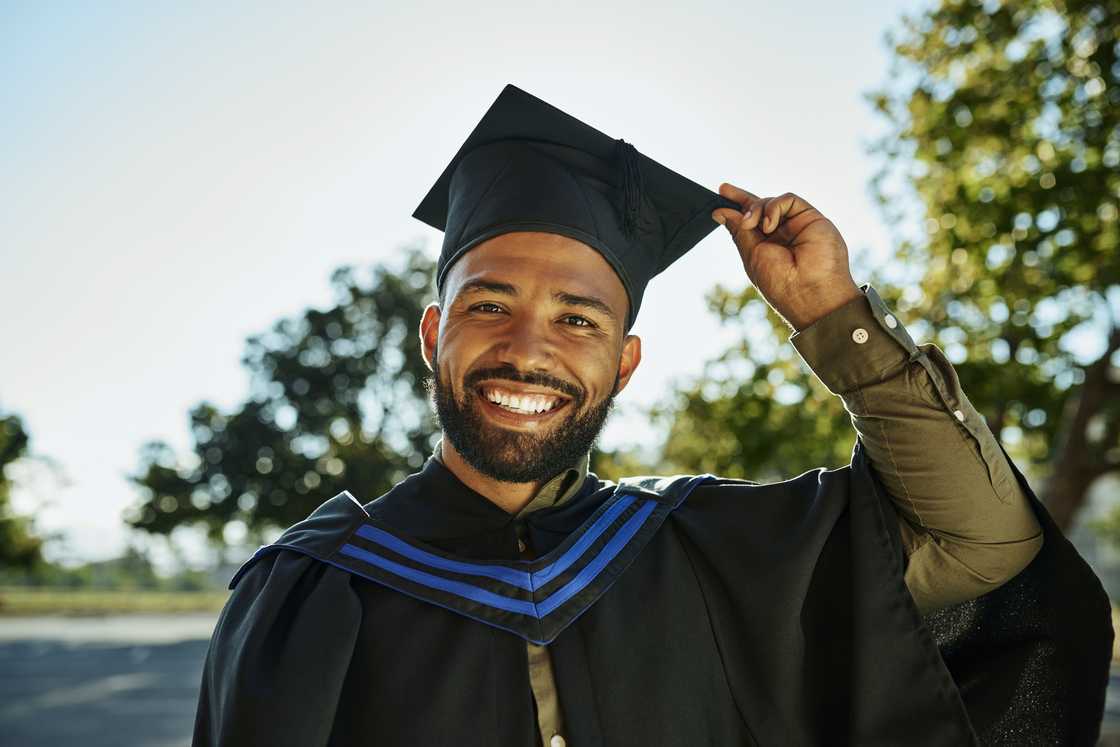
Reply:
x=966, y=525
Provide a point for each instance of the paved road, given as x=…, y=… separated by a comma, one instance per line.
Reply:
x=101, y=682
x=132, y=681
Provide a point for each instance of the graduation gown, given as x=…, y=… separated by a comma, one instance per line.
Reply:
x=679, y=610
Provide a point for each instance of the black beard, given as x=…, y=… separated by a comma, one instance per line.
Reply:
x=509, y=455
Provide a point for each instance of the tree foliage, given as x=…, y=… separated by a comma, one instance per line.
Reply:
x=1005, y=124
x=20, y=547
x=998, y=173
x=338, y=402
x=756, y=412
x=132, y=570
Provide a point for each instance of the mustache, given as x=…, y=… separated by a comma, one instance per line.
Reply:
x=533, y=379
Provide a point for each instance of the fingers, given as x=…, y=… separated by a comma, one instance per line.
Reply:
x=759, y=217
x=741, y=228
x=776, y=208
x=747, y=218
x=741, y=196
x=782, y=208
x=753, y=213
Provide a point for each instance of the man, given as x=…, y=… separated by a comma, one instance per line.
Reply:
x=505, y=595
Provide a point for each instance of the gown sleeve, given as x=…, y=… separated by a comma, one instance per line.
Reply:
x=278, y=655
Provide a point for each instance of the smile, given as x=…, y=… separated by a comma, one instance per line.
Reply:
x=521, y=403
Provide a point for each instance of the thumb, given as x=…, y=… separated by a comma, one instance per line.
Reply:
x=728, y=218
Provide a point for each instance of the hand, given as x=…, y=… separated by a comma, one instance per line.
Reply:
x=793, y=255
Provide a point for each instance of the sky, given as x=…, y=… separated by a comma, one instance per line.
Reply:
x=177, y=177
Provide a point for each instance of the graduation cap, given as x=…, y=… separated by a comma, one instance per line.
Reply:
x=528, y=166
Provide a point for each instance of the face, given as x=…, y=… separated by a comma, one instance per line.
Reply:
x=527, y=353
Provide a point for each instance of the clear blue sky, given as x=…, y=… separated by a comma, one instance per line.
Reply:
x=175, y=177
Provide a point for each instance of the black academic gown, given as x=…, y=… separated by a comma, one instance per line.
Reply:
x=678, y=611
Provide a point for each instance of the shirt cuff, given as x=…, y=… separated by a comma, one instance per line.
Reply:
x=858, y=344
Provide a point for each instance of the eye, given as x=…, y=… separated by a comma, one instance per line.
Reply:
x=585, y=321
x=479, y=306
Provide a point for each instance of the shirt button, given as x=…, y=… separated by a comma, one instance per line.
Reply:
x=959, y=414
x=556, y=741
x=860, y=335
x=521, y=545
x=891, y=321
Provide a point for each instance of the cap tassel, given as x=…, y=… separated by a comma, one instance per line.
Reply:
x=631, y=186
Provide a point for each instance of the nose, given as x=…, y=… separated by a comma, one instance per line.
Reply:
x=526, y=345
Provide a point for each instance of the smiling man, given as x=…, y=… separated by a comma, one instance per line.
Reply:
x=505, y=595
x=534, y=332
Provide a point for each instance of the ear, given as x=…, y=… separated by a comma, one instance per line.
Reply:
x=629, y=360
x=429, y=332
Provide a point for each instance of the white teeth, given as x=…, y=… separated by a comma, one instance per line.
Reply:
x=531, y=403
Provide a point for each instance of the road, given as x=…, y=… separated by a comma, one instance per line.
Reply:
x=132, y=681
x=129, y=681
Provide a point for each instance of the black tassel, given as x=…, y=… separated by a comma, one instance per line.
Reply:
x=627, y=155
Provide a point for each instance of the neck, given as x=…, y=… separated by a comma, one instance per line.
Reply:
x=511, y=497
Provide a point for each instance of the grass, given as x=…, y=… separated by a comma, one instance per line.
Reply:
x=29, y=601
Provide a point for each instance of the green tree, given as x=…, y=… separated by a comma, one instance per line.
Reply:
x=757, y=411
x=20, y=548
x=1004, y=124
x=1001, y=148
x=338, y=402
x=612, y=464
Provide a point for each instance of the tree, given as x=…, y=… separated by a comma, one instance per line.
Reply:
x=338, y=402
x=20, y=548
x=757, y=411
x=1004, y=124
x=1003, y=127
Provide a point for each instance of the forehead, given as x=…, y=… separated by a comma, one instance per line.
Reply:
x=540, y=260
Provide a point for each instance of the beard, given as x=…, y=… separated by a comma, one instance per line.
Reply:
x=510, y=455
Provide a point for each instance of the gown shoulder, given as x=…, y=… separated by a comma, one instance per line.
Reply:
x=282, y=644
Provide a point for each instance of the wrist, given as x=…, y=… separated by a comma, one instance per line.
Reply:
x=823, y=305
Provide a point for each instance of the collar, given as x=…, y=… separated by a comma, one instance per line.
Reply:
x=435, y=507
x=554, y=492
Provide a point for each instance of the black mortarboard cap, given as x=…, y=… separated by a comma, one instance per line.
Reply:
x=528, y=166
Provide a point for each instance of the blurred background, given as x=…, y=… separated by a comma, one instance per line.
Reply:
x=212, y=281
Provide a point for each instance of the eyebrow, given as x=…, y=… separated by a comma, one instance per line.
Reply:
x=477, y=286
x=586, y=301
x=571, y=299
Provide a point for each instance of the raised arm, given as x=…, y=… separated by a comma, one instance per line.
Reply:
x=965, y=523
